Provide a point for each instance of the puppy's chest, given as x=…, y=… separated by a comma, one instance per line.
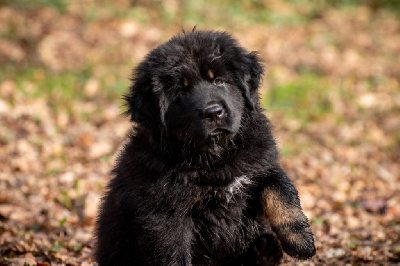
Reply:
x=223, y=223
x=239, y=188
x=191, y=199
x=223, y=203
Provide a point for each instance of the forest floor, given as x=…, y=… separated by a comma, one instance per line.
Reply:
x=332, y=91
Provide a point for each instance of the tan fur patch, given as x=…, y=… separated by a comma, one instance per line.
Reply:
x=185, y=82
x=296, y=240
x=210, y=74
x=277, y=211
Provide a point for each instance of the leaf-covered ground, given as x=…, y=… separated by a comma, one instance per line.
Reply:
x=332, y=91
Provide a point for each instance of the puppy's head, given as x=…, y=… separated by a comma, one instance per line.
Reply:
x=196, y=87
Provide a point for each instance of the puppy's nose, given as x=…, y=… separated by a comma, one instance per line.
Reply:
x=214, y=112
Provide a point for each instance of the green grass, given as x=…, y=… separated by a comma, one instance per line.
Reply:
x=60, y=5
x=61, y=89
x=306, y=98
x=291, y=149
x=57, y=248
x=234, y=13
x=318, y=221
x=392, y=5
x=208, y=13
x=352, y=245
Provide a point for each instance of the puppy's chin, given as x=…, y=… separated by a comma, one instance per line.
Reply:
x=220, y=132
x=215, y=142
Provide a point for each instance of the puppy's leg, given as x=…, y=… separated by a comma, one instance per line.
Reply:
x=126, y=237
x=166, y=240
x=281, y=207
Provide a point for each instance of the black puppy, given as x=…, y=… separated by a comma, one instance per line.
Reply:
x=199, y=180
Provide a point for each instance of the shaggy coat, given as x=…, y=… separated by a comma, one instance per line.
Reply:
x=199, y=180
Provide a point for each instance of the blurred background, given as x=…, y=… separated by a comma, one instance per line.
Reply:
x=332, y=90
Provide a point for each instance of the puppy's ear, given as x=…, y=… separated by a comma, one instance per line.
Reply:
x=143, y=103
x=249, y=75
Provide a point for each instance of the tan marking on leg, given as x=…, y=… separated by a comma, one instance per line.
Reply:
x=296, y=241
x=277, y=211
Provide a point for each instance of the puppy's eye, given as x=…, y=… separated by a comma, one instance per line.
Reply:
x=218, y=82
x=185, y=83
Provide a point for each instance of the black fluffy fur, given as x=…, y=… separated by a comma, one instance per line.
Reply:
x=172, y=200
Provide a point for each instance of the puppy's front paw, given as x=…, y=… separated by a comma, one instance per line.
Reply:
x=296, y=240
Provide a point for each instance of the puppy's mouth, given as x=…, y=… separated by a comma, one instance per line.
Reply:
x=218, y=132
